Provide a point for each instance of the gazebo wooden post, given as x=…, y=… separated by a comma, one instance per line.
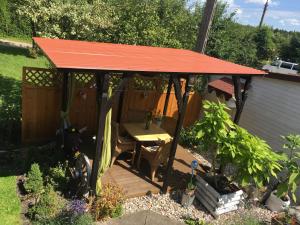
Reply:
x=121, y=98
x=64, y=101
x=102, y=89
x=168, y=95
x=181, y=112
x=240, y=95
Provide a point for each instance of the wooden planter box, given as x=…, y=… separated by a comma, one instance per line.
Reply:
x=214, y=202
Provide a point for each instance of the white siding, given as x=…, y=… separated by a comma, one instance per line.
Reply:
x=272, y=109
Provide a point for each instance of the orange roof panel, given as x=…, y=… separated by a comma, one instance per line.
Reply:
x=70, y=54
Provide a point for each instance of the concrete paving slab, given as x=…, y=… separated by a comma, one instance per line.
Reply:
x=145, y=217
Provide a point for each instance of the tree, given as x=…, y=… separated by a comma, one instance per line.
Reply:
x=264, y=39
x=58, y=19
x=291, y=50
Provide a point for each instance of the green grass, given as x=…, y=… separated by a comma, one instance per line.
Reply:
x=13, y=59
x=19, y=39
x=10, y=205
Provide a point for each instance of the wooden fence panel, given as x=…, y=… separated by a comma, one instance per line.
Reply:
x=41, y=103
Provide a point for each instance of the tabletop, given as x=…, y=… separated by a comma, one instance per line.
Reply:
x=139, y=133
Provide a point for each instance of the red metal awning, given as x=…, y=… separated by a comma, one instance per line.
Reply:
x=70, y=54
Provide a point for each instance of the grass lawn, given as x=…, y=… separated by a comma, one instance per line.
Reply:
x=13, y=59
x=10, y=205
x=19, y=39
x=11, y=62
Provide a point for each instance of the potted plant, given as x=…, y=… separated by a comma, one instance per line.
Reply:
x=288, y=182
x=283, y=218
x=253, y=160
x=188, y=195
x=158, y=119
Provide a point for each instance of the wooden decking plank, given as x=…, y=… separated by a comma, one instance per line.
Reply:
x=135, y=185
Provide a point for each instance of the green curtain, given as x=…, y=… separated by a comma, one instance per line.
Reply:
x=106, y=151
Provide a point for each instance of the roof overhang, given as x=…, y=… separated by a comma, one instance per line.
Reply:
x=84, y=55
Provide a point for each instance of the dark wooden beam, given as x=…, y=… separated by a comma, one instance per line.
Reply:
x=177, y=88
x=168, y=96
x=181, y=113
x=240, y=95
x=118, y=94
x=102, y=100
x=64, y=102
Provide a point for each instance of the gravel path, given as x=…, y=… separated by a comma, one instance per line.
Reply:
x=168, y=205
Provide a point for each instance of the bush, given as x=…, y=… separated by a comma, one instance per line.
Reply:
x=67, y=219
x=230, y=144
x=191, y=221
x=58, y=178
x=48, y=207
x=34, y=182
x=188, y=138
x=109, y=203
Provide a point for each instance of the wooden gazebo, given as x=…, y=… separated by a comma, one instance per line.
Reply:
x=126, y=60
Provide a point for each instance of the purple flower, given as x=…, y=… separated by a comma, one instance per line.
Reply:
x=77, y=206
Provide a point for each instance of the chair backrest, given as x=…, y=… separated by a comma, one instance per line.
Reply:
x=163, y=152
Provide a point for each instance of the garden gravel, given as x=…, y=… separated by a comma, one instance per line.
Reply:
x=168, y=205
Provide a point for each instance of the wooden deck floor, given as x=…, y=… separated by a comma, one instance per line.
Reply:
x=135, y=183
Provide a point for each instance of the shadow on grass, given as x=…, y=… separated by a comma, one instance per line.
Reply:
x=10, y=111
x=15, y=51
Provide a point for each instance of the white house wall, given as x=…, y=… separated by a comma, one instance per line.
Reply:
x=272, y=109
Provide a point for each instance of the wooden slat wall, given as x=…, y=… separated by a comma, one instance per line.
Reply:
x=41, y=109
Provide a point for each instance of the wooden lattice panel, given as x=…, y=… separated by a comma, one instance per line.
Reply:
x=40, y=77
x=114, y=80
x=85, y=79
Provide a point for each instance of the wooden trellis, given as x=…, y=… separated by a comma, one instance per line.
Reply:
x=41, y=101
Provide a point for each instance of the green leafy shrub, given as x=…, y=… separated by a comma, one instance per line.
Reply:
x=67, y=219
x=49, y=205
x=230, y=144
x=191, y=221
x=291, y=168
x=188, y=138
x=34, y=182
x=109, y=203
x=58, y=178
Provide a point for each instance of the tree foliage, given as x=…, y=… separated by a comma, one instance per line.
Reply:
x=167, y=23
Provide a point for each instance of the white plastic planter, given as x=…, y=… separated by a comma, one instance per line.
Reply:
x=214, y=202
x=275, y=204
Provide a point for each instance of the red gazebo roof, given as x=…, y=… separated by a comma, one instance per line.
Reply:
x=70, y=54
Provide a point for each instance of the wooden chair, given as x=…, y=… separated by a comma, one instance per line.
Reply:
x=121, y=144
x=155, y=155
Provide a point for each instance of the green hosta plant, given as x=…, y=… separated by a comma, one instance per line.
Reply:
x=291, y=167
x=254, y=159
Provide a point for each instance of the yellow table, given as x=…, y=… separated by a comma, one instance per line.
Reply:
x=140, y=134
